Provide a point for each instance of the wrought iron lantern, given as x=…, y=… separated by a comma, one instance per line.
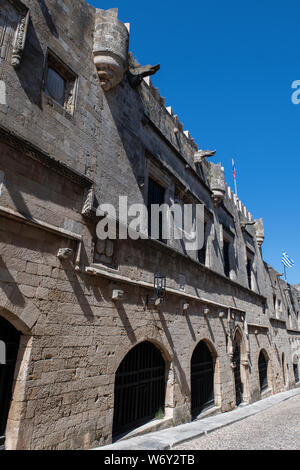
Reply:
x=159, y=286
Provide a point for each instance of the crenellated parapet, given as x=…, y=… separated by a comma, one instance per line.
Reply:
x=178, y=126
x=111, y=41
x=245, y=216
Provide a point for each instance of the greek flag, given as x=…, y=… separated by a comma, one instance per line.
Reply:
x=287, y=261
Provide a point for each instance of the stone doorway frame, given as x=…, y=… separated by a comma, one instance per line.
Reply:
x=241, y=341
x=18, y=429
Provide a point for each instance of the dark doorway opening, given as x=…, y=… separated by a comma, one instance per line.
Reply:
x=11, y=339
x=226, y=250
x=263, y=371
x=202, y=379
x=296, y=372
x=237, y=374
x=140, y=388
x=283, y=368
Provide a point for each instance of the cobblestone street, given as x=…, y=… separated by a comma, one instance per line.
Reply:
x=275, y=428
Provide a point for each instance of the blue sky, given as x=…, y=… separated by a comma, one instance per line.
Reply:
x=227, y=70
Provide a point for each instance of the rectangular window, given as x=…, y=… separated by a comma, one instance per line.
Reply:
x=278, y=312
x=226, y=248
x=60, y=83
x=249, y=272
x=156, y=195
x=290, y=322
x=274, y=302
x=202, y=252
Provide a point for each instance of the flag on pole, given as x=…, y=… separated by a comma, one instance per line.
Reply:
x=287, y=261
x=234, y=169
x=234, y=175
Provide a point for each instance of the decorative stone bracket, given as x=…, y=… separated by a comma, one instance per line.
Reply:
x=88, y=209
x=184, y=306
x=117, y=294
x=21, y=32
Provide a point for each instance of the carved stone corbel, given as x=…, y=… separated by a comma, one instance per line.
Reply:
x=88, y=207
x=21, y=32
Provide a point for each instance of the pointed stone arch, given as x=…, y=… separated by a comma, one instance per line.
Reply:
x=264, y=370
x=155, y=340
x=18, y=430
x=21, y=313
x=240, y=367
x=140, y=388
x=211, y=368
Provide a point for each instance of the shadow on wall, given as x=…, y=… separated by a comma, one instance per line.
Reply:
x=30, y=72
x=78, y=290
x=48, y=18
x=182, y=374
x=9, y=286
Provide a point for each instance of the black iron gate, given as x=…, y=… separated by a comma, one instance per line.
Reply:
x=202, y=379
x=11, y=338
x=139, y=388
x=263, y=372
x=296, y=372
x=237, y=374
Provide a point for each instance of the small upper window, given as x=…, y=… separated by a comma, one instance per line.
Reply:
x=156, y=196
x=202, y=252
x=290, y=321
x=249, y=272
x=226, y=250
x=55, y=86
x=60, y=83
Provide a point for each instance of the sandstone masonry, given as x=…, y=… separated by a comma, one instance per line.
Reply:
x=81, y=124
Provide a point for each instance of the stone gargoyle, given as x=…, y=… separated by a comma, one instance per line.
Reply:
x=137, y=72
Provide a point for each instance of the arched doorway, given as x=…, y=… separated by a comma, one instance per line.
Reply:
x=283, y=369
x=236, y=361
x=296, y=372
x=140, y=388
x=202, y=379
x=10, y=337
x=263, y=371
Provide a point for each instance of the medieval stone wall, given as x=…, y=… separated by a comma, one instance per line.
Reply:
x=74, y=336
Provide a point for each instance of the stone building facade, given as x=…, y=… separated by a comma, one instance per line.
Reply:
x=89, y=353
